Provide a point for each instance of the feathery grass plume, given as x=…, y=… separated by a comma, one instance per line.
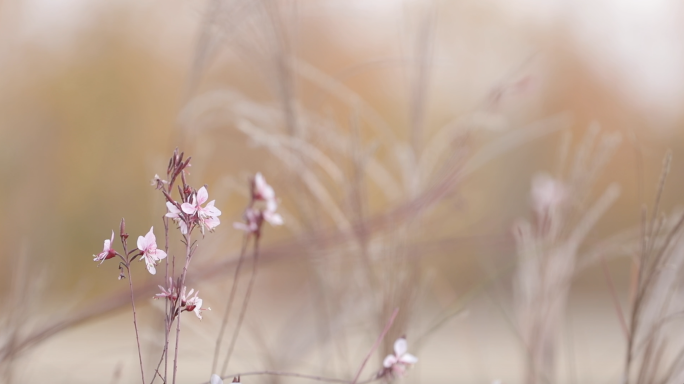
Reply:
x=548, y=248
x=361, y=192
x=27, y=284
x=654, y=354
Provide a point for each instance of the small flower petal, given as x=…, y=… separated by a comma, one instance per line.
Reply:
x=400, y=346
x=210, y=210
x=408, y=358
x=202, y=196
x=188, y=208
x=142, y=243
x=389, y=361
x=150, y=266
x=173, y=210
x=159, y=254
x=150, y=238
x=273, y=218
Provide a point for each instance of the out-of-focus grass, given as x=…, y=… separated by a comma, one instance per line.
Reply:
x=85, y=123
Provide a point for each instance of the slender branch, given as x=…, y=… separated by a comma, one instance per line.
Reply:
x=156, y=370
x=231, y=297
x=123, y=236
x=245, y=304
x=180, y=286
x=293, y=374
x=135, y=323
x=616, y=301
x=168, y=318
x=377, y=343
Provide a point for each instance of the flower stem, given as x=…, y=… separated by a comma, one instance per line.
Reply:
x=188, y=256
x=245, y=304
x=377, y=343
x=135, y=322
x=231, y=298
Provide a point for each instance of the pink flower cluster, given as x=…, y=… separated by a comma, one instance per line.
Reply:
x=254, y=217
x=193, y=212
x=188, y=302
x=147, y=247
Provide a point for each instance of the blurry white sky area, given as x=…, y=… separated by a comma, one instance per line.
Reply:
x=634, y=46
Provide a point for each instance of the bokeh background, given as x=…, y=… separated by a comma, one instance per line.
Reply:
x=401, y=137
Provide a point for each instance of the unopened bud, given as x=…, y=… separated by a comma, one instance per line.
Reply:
x=122, y=229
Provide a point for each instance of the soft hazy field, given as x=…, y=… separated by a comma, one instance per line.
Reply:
x=402, y=139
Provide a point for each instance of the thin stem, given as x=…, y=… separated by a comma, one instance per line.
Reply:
x=135, y=323
x=377, y=343
x=188, y=255
x=161, y=360
x=229, y=305
x=245, y=304
x=616, y=301
x=167, y=320
x=293, y=374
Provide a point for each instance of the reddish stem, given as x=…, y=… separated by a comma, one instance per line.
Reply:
x=231, y=298
x=245, y=304
x=135, y=323
x=377, y=343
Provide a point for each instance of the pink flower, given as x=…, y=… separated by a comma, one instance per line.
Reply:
x=272, y=217
x=158, y=182
x=107, y=252
x=193, y=303
x=208, y=215
x=175, y=214
x=547, y=193
x=254, y=217
x=148, y=246
x=171, y=293
x=252, y=222
x=261, y=190
x=264, y=192
x=400, y=361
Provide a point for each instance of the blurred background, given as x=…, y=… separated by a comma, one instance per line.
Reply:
x=402, y=139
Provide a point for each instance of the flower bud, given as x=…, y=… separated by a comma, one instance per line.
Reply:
x=122, y=229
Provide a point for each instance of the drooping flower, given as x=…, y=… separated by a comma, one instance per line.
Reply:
x=252, y=222
x=148, y=246
x=261, y=190
x=107, y=252
x=158, y=182
x=175, y=214
x=208, y=215
x=169, y=293
x=254, y=217
x=192, y=303
x=195, y=304
x=400, y=360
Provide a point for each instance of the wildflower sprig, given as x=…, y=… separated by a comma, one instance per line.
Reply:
x=262, y=207
x=187, y=303
x=189, y=211
x=397, y=363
